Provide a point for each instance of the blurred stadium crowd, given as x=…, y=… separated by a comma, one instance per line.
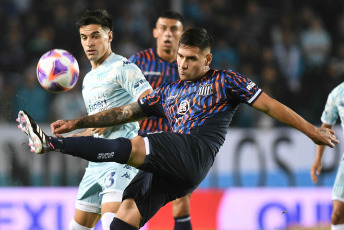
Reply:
x=294, y=50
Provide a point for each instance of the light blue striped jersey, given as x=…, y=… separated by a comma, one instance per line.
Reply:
x=114, y=83
x=334, y=107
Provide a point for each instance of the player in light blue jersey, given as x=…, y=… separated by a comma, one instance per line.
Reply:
x=113, y=81
x=334, y=109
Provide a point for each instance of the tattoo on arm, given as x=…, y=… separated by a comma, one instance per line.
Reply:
x=112, y=117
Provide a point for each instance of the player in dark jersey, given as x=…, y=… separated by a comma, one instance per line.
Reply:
x=199, y=108
x=159, y=66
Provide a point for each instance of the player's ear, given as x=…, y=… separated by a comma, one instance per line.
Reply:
x=209, y=58
x=110, y=34
x=155, y=33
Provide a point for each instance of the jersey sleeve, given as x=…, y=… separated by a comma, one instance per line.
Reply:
x=133, y=80
x=151, y=105
x=330, y=113
x=241, y=88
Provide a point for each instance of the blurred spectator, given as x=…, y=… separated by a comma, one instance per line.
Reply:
x=289, y=59
x=224, y=56
x=316, y=45
x=31, y=97
x=6, y=97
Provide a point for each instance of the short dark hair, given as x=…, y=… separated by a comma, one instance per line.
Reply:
x=171, y=15
x=196, y=37
x=98, y=17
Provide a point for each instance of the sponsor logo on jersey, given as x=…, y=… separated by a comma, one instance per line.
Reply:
x=105, y=155
x=97, y=103
x=172, y=97
x=126, y=63
x=183, y=107
x=154, y=73
x=205, y=90
x=137, y=84
x=250, y=86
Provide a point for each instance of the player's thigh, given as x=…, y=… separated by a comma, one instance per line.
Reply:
x=86, y=219
x=110, y=207
x=129, y=213
x=337, y=212
x=181, y=206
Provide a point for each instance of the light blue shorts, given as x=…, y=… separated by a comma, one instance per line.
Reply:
x=338, y=187
x=103, y=183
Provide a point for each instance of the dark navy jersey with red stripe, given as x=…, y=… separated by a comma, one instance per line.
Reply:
x=204, y=107
x=157, y=72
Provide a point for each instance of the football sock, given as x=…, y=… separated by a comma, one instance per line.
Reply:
x=337, y=227
x=118, y=224
x=73, y=225
x=182, y=223
x=107, y=218
x=94, y=149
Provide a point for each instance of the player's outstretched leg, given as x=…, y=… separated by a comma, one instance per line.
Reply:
x=89, y=148
x=38, y=140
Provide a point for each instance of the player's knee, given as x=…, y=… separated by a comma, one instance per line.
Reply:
x=138, y=152
x=73, y=225
x=337, y=217
x=181, y=207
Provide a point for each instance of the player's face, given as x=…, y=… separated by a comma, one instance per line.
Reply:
x=167, y=32
x=96, y=42
x=193, y=63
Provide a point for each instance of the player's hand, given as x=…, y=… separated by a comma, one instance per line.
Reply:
x=99, y=131
x=62, y=126
x=315, y=170
x=325, y=136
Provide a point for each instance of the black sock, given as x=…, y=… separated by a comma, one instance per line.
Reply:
x=118, y=224
x=182, y=223
x=94, y=149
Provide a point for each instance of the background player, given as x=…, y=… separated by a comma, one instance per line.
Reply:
x=333, y=110
x=159, y=66
x=113, y=81
x=199, y=108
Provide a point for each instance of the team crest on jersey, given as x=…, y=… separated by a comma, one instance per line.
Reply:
x=204, y=90
x=183, y=107
x=100, y=77
x=126, y=63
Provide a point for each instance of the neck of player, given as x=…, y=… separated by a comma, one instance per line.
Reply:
x=100, y=61
x=169, y=55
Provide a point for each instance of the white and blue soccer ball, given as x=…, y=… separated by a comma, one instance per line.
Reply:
x=57, y=71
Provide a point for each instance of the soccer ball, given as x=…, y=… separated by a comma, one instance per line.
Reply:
x=57, y=71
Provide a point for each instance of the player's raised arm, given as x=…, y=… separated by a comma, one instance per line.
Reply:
x=273, y=108
x=110, y=117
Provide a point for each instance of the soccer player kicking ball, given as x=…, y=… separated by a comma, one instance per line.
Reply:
x=199, y=108
x=159, y=66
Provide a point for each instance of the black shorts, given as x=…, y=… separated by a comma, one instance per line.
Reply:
x=176, y=165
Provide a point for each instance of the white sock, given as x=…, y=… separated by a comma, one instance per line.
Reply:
x=73, y=225
x=337, y=227
x=107, y=218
